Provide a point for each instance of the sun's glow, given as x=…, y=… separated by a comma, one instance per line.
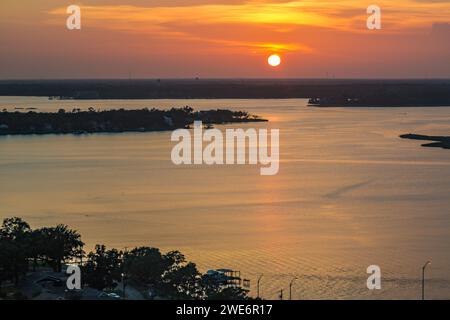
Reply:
x=274, y=60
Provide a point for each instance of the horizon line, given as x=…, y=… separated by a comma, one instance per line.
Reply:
x=226, y=78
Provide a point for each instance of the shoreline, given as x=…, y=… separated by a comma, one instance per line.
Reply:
x=438, y=141
x=80, y=122
x=325, y=92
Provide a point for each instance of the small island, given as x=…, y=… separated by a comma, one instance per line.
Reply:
x=439, y=141
x=114, y=121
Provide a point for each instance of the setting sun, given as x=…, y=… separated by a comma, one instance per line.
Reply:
x=274, y=60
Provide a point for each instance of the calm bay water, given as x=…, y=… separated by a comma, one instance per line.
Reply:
x=349, y=194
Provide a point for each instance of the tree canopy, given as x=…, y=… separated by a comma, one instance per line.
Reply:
x=166, y=276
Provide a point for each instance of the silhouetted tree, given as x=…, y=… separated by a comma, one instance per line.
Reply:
x=61, y=244
x=37, y=247
x=103, y=268
x=182, y=282
x=145, y=265
x=14, y=248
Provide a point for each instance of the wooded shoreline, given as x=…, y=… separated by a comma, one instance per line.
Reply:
x=329, y=92
x=114, y=121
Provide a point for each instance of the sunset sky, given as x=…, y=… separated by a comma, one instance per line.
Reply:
x=224, y=38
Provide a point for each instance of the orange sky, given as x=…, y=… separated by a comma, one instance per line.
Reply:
x=224, y=38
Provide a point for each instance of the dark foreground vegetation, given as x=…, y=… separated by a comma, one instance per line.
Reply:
x=152, y=274
x=325, y=92
x=122, y=120
x=439, y=141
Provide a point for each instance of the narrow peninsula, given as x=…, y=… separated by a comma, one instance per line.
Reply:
x=114, y=121
x=438, y=141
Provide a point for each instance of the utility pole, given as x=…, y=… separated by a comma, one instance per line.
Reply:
x=257, y=286
x=423, y=279
x=290, y=288
x=123, y=285
x=281, y=294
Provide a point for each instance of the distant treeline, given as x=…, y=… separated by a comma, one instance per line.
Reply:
x=329, y=91
x=166, y=276
x=92, y=121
